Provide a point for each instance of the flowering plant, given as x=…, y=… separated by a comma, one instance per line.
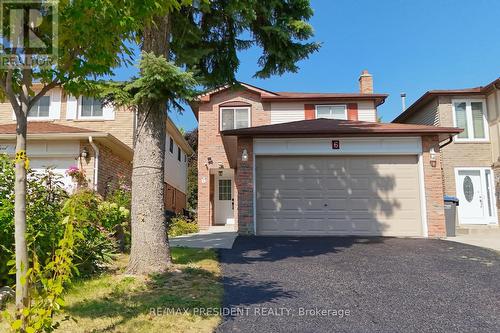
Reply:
x=77, y=175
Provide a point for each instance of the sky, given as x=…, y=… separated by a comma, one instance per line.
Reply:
x=408, y=46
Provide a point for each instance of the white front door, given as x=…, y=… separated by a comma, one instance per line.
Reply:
x=224, y=200
x=476, y=196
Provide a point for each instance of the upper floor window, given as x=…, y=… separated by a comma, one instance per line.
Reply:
x=233, y=118
x=331, y=111
x=171, y=146
x=90, y=107
x=470, y=115
x=178, y=153
x=41, y=109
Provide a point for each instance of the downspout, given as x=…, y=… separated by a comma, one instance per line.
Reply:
x=96, y=162
x=450, y=140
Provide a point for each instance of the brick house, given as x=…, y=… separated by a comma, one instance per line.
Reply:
x=65, y=131
x=282, y=163
x=471, y=162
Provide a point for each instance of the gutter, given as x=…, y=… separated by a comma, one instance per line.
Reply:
x=96, y=162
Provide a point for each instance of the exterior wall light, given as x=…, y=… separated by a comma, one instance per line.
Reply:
x=433, y=157
x=244, y=155
x=84, y=153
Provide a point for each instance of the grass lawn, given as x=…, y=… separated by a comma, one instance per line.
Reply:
x=114, y=302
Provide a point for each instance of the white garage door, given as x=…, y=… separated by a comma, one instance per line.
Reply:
x=59, y=165
x=349, y=195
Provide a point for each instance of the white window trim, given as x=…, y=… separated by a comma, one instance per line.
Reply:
x=49, y=95
x=79, y=109
x=234, y=115
x=482, y=171
x=470, y=125
x=331, y=105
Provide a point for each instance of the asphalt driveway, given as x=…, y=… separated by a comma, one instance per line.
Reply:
x=274, y=284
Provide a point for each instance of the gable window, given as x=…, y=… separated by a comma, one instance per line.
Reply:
x=233, y=118
x=171, y=146
x=178, y=153
x=331, y=111
x=41, y=108
x=470, y=115
x=90, y=107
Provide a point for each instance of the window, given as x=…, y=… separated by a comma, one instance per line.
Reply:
x=233, y=118
x=41, y=108
x=224, y=189
x=331, y=111
x=470, y=115
x=185, y=158
x=171, y=146
x=91, y=107
x=178, y=153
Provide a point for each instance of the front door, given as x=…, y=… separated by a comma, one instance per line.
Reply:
x=476, y=196
x=224, y=200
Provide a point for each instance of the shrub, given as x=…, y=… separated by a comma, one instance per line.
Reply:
x=46, y=206
x=96, y=249
x=45, y=196
x=116, y=212
x=180, y=225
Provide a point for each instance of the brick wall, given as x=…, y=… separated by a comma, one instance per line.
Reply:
x=244, y=187
x=175, y=200
x=210, y=143
x=433, y=189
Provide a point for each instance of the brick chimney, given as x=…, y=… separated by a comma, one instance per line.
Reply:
x=366, y=83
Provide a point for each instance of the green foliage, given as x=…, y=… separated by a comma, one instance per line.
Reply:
x=47, y=205
x=96, y=249
x=6, y=217
x=160, y=81
x=192, y=171
x=45, y=196
x=47, y=283
x=207, y=38
x=180, y=225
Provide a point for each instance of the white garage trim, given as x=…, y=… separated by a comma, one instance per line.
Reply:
x=423, y=198
x=348, y=146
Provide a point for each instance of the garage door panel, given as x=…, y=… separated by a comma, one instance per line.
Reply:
x=352, y=195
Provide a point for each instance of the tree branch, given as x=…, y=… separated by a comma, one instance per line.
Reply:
x=6, y=85
x=43, y=91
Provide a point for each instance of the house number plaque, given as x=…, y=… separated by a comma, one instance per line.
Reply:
x=335, y=144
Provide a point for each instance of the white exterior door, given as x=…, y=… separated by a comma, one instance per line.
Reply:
x=474, y=190
x=224, y=200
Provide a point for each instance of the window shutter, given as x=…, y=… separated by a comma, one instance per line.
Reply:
x=108, y=111
x=55, y=104
x=71, y=107
x=309, y=111
x=352, y=111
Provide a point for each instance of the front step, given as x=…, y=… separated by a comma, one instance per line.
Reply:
x=478, y=230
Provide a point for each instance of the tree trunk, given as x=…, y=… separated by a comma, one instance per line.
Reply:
x=22, y=262
x=150, y=251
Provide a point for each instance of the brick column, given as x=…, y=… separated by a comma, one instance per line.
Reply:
x=203, y=195
x=433, y=178
x=244, y=187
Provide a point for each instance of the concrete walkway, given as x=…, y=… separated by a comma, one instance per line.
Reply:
x=217, y=237
x=491, y=242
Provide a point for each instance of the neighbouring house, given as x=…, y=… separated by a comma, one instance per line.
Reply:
x=65, y=131
x=284, y=163
x=471, y=162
